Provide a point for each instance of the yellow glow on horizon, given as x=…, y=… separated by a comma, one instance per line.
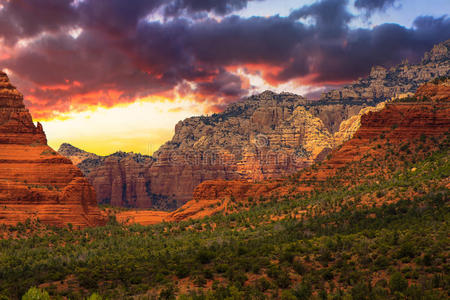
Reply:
x=140, y=127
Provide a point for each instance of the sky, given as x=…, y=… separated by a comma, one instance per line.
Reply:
x=109, y=75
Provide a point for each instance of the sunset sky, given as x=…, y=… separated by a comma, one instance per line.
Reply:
x=108, y=75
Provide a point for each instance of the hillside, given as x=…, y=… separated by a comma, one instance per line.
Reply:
x=370, y=222
x=361, y=160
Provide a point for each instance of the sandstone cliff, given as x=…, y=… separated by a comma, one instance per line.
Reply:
x=438, y=90
x=406, y=127
x=263, y=136
x=395, y=126
x=35, y=181
x=119, y=179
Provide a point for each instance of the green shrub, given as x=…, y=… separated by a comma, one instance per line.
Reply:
x=95, y=296
x=406, y=250
x=36, y=294
x=299, y=267
x=303, y=290
x=398, y=283
x=288, y=295
x=360, y=291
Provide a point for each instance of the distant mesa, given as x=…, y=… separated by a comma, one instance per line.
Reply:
x=35, y=181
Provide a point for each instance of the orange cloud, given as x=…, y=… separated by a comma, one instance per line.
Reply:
x=85, y=102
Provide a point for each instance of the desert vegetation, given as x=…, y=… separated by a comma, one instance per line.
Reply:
x=382, y=236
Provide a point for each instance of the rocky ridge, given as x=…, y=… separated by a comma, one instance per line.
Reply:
x=75, y=154
x=35, y=181
x=263, y=136
x=403, y=80
x=396, y=125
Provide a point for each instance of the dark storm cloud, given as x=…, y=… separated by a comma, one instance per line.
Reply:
x=224, y=84
x=354, y=55
x=219, y=7
x=63, y=68
x=119, y=50
x=23, y=19
x=373, y=5
x=115, y=17
x=331, y=16
x=235, y=40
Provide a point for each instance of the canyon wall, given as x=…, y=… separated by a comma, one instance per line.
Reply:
x=399, y=125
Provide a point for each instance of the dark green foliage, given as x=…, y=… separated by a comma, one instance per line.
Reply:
x=398, y=283
x=340, y=254
x=303, y=290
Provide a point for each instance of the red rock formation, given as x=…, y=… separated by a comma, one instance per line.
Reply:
x=265, y=136
x=435, y=91
x=35, y=181
x=398, y=123
x=119, y=179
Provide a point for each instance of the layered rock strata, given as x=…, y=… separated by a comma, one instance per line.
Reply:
x=395, y=124
x=35, y=181
x=264, y=136
x=398, y=123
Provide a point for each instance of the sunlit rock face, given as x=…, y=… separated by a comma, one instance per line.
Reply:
x=16, y=124
x=379, y=128
x=264, y=136
x=394, y=123
x=35, y=181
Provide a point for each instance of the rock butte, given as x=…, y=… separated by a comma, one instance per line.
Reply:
x=398, y=122
x=35, y=181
